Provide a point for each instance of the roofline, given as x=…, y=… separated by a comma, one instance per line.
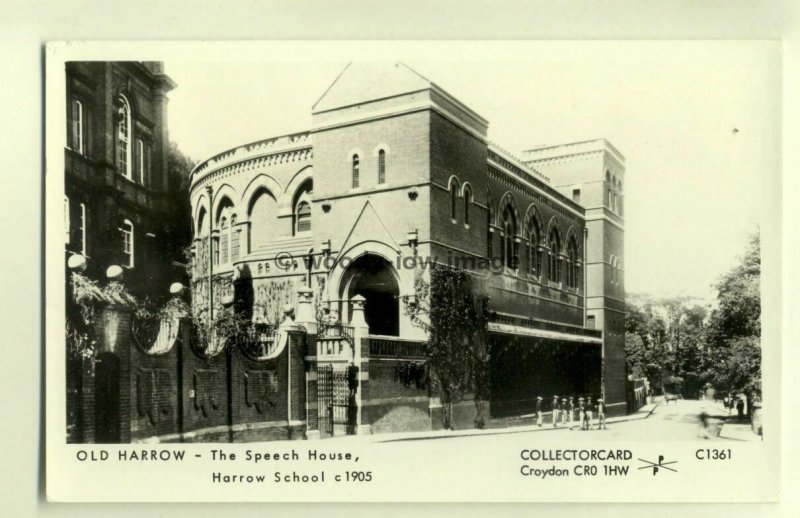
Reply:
x=610, y=147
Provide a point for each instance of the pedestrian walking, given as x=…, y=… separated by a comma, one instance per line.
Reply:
x=703, y=425
x=556, y=408
x=740, y=407
x=589, y=413
x=725, y=403
x=539, y=411
x=564, y=411
x=601, y=414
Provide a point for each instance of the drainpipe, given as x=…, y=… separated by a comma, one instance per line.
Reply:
x=585, y=277
x=210, y=192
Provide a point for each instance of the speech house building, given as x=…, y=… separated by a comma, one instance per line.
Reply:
x=394, y=167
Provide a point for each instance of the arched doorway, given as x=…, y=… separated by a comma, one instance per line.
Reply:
x=375, y=279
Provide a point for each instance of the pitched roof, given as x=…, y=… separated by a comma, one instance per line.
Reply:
x=361, y=82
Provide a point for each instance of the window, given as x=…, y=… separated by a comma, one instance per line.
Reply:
x=127, y=242
x=534, y=249
x=82, y=228
x=591, y=321
x=124, y=138
x=467, y=203
x=453, y=199
x=381, y=166
x=572, y=263
x=576, y=195
x=78, y=136
x=303, y=217
x=554, y=242
x=224, y=240
x=509, y=249
x=140, y=160
x=66, y=220
x=355, y=172
x=489, y=232
x=235, y=239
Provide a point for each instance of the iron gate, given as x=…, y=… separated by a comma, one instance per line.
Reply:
x=336, y=391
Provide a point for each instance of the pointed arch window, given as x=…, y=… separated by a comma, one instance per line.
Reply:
x=509, y=249
x=381, y=166
x=235, y=238
x=572, y=263
x=554, y=266
x=124, y=161
x=356, y=172
x=534, y=249
x=128, y=243
x=224, y=240
x=467, y=203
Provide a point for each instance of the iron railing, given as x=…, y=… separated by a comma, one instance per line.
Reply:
x=393, y=347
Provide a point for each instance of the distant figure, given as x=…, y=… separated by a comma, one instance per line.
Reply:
x=582, y=414
x=740, y=407
x=556, y=408
x=539, y=411
x=601, y=414
x=571, y=407
x=564, y=410
x=589, y=413
x=703, y=425
x=725, y=402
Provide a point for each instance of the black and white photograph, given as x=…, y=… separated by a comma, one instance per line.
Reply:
x=546, y=254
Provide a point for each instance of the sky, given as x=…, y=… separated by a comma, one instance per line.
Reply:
x=698, y=123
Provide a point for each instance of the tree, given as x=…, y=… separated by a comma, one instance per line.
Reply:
x=734, y=328
x=453, y=311
x=179, y=231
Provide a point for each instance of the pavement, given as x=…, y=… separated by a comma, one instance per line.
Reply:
x=658, y=421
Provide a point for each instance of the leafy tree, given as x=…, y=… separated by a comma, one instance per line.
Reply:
x=179, y=230
x=453, y=311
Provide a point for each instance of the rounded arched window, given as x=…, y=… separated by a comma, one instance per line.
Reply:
x=124, y=140
x=467, y=203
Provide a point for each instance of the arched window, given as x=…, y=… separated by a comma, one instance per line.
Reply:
x=453, y=199
x=467, y=203
x=127, y=243
x=534, y=249
x=82, y=228
x=124, y=138
x=235, y=238
x=554, y=266
x=356, y=166
x=572, y=263
x=224, y=240
x=381, y=166
x=509, y=235
x=303, y=217
x=66, y=220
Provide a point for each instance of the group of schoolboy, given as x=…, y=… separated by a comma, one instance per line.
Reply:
x=564, y=411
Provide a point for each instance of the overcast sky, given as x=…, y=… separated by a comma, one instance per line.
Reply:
x=698, y=123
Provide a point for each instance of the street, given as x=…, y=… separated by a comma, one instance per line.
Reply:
x=676, y=421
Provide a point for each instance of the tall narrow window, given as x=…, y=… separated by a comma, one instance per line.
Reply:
x=235, y=238
x=381, y=166
x=509, y=234
x=534, y=250
x=66, y=220
x=489, y=230
x=224, y=240
x=124, y=138
x=82, y=228
x=128, y=242
x=140, y=161
x=355, y=172
x=453, y=199
x=467, y=203
x=303, y=217
x=78, y=130
x=572, y=266
x=554, y=242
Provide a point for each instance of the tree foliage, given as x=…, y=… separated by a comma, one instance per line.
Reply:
x=453, y=311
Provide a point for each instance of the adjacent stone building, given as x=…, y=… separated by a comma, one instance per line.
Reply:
x=394, y=170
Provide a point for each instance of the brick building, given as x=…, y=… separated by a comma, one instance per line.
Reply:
x=117, y=198
x=119, y=209
x=392, y=168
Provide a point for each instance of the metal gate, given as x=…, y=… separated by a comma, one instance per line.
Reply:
x=336, y=401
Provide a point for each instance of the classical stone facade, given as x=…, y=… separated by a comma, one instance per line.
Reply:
x=117, y=189
x=393, y=171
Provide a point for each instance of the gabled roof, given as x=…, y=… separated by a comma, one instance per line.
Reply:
x=362, y=82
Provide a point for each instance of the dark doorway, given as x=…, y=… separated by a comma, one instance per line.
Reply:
x=373, y=278
x=106, y=386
